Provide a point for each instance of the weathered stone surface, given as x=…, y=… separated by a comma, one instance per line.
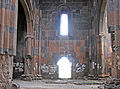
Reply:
x=112, y=83
x=15, y=86
x=30, y=77
x=49, y=71
x=6, y=67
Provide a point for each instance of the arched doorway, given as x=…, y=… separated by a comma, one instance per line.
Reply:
x=18, y=68
x=64, y=68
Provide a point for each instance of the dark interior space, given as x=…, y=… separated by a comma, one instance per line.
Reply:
x=18, y=67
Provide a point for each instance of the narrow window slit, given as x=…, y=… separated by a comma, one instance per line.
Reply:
x=64, y=24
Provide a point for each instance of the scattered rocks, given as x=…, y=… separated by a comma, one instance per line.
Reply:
x=30, y=77
x=112, y=83
x=101, y=87
x=49, y=71
x=15, y=86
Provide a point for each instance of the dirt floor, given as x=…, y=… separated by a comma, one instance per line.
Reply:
x=59, y=84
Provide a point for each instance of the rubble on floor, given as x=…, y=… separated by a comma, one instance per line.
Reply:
x=101, y=87
x=30, y=77
x=49, y=71
x=15, y=86
x=112, y=83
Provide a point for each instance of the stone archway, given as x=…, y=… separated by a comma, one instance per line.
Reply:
x=19, y=59
x=25, y=35
x=28, y=38
x=102, y=13
x=30, y=32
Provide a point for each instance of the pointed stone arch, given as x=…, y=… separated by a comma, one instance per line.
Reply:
x=102, y=13
x=30, y=31
x=29, y=37
x=27, y=10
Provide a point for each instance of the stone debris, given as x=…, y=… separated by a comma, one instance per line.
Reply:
x=101, y=87
x=49, y=71
x=15, y=86
x=112, y=83
x=18, y=69
x=30, y=77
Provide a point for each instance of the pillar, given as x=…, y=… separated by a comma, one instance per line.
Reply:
x=8, y=38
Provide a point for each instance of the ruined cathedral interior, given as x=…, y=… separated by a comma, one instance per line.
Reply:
x=59, y=44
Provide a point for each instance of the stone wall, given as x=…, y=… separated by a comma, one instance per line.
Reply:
x=76, y=45
x=113, y=25
x=8, y=33
x=43, y=43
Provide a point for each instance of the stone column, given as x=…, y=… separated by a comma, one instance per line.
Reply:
x=8, y=38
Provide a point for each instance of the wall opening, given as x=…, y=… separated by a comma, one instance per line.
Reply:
x=64, y=68
x=64, y=24
x=18, y=67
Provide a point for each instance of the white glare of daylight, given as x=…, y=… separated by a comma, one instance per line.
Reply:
x=64, y=24
x=64, y=67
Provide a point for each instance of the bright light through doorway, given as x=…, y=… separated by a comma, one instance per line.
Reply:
x=64, y=67
x=64, y=24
